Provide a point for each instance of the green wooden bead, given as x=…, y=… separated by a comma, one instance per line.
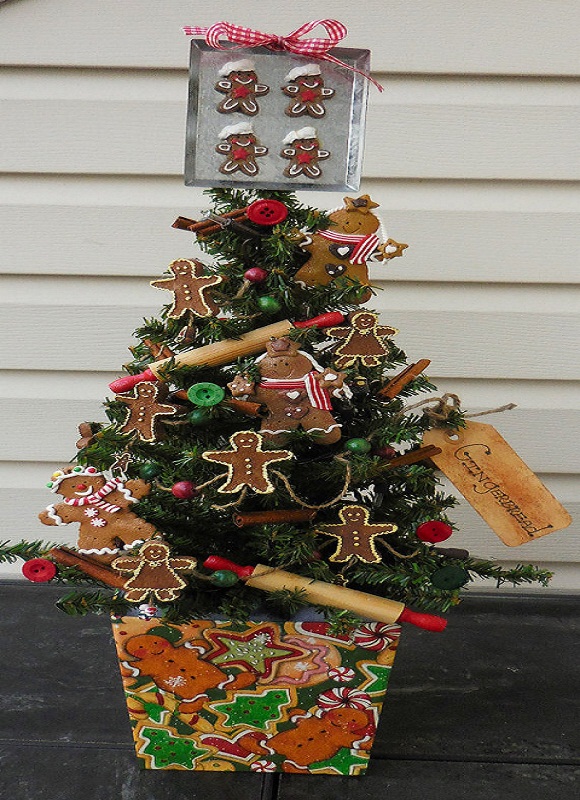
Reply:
x=198, y=416
x=148, y=471
x=268, y=304
x=224, y=578
x=359, y=446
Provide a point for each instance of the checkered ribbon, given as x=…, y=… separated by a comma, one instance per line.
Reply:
x=293, y=43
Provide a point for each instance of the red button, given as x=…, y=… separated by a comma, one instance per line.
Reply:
x=39, y=570
x=267, y=212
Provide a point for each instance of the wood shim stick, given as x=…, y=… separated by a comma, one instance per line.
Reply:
x=396, y=384
x=243, y=518
x=413, y=457
x=90, y=566
x=226, y=351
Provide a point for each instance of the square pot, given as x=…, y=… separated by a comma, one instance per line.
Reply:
x=260, y=697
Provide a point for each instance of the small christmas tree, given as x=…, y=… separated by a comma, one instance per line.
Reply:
x=287, y=442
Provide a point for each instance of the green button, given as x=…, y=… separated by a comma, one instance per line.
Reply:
x=205, y=394
x=449, y=577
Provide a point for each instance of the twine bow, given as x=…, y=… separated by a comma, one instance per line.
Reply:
x=293, y=43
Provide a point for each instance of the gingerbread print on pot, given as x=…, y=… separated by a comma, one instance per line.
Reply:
x=241, y=148
x=239, y=83
x=307, y=92
x=302, y=149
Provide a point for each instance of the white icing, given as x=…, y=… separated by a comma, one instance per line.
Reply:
x=243, y=65
x=303, y=133
x=53, y=515
x=298, y=72
x=230, y=130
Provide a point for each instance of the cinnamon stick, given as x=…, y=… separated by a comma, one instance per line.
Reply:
x=279, y=515
x=90, y=566
x=396, y=384
x=206, y=226
x=413, y=457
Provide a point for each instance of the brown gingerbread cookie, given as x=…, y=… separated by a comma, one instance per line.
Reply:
x=190, y=288
x=101, y=507
x=364, y=340
x=296, y=392
x=239, y=82
x=356, y=535
x=179, y=670
x=153, y=572
x=241, y=148
x=247, y=463
x=303, y=150
x=307, y=92
x=145, y=410
x=343, y=249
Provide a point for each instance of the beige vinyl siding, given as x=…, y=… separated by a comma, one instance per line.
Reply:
x=472, y=151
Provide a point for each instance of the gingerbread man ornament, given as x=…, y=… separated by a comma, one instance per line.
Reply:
x=153, y=572
x=247, y=463
x=364, y=340
x=190, y=289
x=241, y=148
x=239, y=83
x=303, y=150
x=355, y=535
x=145, y=409
x=305, y=86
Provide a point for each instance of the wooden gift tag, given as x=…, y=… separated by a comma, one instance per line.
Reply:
x=497, y=483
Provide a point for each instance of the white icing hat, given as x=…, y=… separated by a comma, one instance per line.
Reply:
x=75, y=472
x=244, y=65
x=298, y=72
x=241, y=127
x=303, y=133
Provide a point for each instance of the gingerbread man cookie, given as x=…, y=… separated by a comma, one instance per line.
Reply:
x=240, y=145
x=153, y=572
x=190, y=288
x=305, y=86
x=295, y=390
x=355, y=535
x=303, y=150
x=364, y=340
x=101, y=507
x=239, y=83
x=247, y=463
x=145, y=409
x=343, y=249
x=179, y=670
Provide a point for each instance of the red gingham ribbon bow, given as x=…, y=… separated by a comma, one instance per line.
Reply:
x=294, y=43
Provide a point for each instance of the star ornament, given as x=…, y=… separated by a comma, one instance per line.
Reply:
x=247, y=463
x=356, y=535
x=362, y=204
x=391, y=249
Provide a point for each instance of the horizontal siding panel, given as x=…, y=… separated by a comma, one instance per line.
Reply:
x=27, y=437
x=464, y=246
x=528, y=37
x=460, y=344
x=403, y=141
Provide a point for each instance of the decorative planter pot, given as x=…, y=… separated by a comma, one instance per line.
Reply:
x=260, y=697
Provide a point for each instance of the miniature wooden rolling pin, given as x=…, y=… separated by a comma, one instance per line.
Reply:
x=226, y=351
x=380, y=609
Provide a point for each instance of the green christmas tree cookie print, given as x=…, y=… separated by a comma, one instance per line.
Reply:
x=345, y=762
x=254, y=710
x=377, y=678
x=166, y=750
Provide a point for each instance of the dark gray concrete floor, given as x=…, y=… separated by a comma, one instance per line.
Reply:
x=489, y=708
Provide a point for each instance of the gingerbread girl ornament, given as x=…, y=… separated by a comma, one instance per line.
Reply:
x=190, y=287
x=153, y=572
x=239, y=83
x=364, y=340
x=302, y=149
x=307, y=92
x=356, y=535
x=296, y=391
x=241, y=148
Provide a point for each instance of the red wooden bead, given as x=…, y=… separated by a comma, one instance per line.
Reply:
x=255, y=275
x=184, y=490
x=434, y=531
x=385, y=452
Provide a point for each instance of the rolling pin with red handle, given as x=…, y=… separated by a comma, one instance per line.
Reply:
x=226, y=351
x=270, y=579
